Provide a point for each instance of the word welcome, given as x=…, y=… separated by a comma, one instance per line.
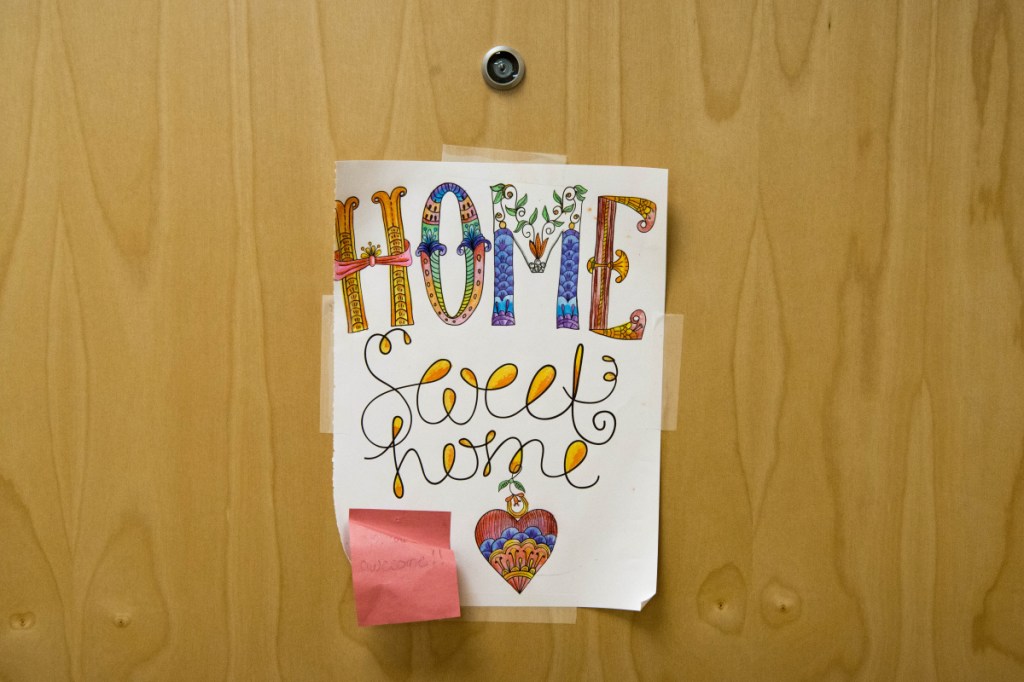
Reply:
x=385, y=565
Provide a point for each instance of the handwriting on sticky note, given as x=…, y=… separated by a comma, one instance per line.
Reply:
x=435, y=558
x=403, y=568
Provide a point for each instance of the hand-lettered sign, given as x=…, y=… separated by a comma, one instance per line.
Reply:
x=498, y=355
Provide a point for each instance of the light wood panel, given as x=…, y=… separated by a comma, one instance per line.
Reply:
x=844, y=497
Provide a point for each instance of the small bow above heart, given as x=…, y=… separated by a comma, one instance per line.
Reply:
x=514, y=501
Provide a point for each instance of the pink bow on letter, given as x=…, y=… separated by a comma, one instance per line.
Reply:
x=343, y=269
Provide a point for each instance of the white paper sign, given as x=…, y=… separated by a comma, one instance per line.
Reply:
x=498, y=354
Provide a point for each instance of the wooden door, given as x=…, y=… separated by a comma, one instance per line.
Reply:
x=844, y=494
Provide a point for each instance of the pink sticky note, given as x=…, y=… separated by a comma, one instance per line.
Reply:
x=403, y=568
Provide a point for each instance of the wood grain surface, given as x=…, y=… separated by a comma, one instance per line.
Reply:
x=844, y=496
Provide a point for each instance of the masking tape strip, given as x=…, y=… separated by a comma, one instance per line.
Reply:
x=451, y=152
x=560, y=615
x=671, y=368
x=327, y=364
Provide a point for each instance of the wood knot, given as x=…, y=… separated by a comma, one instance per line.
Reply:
x=780, y=605
x=22, y=621
x=122, y=620
x=722, y=599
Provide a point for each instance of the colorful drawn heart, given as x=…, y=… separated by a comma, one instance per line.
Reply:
x=516, y=547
